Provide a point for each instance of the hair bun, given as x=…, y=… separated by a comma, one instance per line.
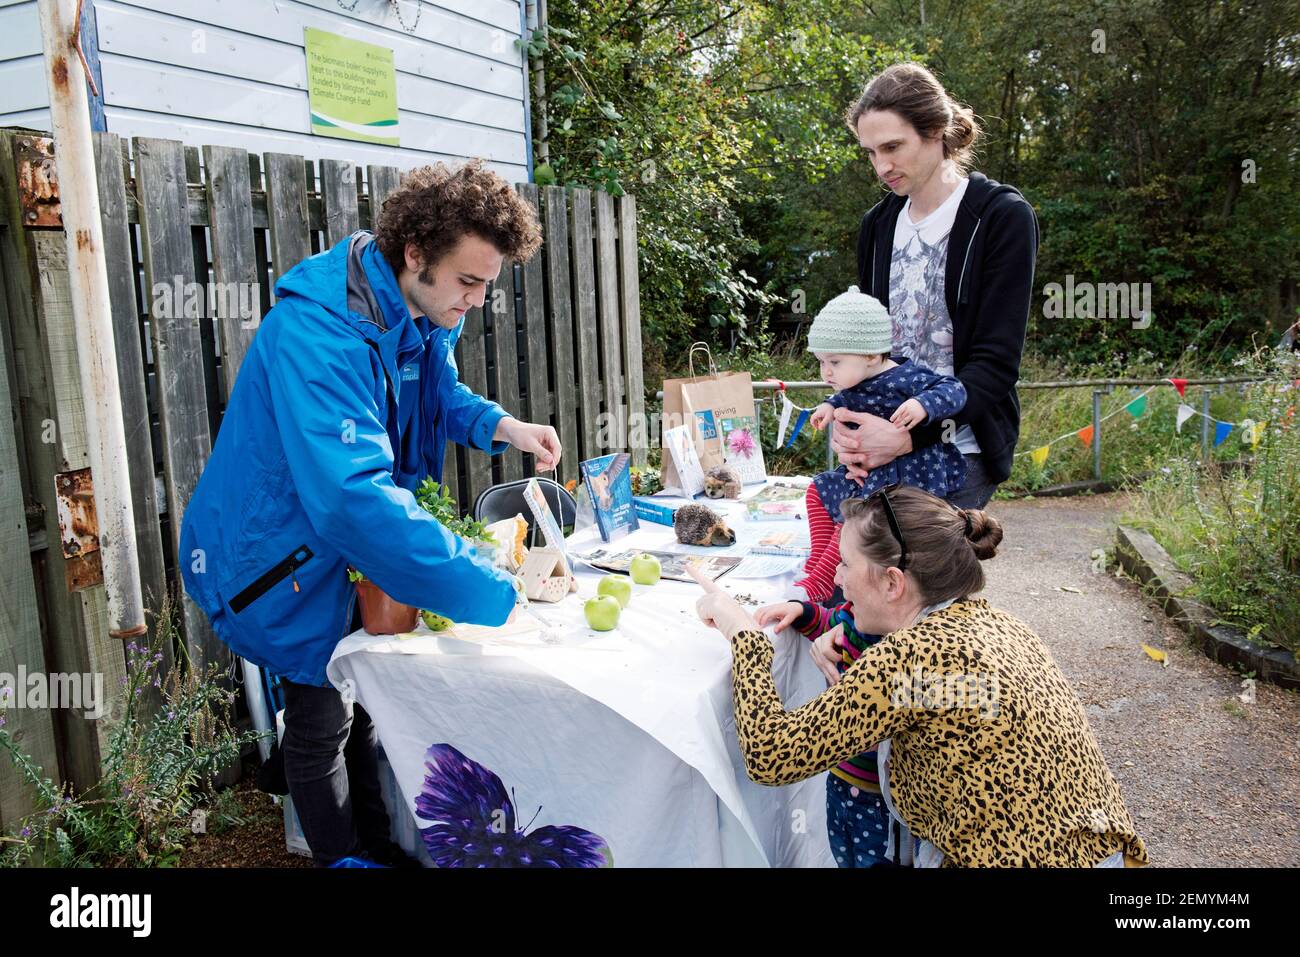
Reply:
x=961, y=132
x=983, y=531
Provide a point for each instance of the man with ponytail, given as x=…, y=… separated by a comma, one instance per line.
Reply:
x=951, y=255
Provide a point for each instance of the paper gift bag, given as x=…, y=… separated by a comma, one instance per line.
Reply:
x=713, y=405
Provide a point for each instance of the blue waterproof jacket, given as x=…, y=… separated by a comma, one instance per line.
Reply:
x=316, y=463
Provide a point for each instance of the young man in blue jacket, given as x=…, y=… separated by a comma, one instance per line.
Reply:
x=344, y=404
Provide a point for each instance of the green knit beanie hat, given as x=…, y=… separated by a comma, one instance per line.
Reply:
x=852, y=322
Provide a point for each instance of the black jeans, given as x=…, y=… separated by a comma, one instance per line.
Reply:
x=977, y=490
x=332, y=766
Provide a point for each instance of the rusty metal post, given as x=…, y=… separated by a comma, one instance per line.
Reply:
x=88, y=277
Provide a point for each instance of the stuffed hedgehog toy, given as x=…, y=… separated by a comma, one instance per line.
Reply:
x=721, y=481
x=700, y=525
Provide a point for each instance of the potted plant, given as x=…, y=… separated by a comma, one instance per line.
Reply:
x=380, y=614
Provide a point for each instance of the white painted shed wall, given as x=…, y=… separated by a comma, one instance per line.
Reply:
x=234, y=73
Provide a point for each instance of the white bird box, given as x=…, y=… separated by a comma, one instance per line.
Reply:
x=545, y=575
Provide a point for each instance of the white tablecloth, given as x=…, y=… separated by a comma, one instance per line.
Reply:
x=628, y=734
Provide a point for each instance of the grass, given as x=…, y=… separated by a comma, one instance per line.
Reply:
x=1238, y=534
x=1130, y=446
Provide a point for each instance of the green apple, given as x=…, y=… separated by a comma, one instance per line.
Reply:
x=602, y=612
x=435, y=622
x=616, y=586
x=645, y=569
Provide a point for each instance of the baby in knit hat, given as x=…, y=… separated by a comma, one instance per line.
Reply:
x=852, y=338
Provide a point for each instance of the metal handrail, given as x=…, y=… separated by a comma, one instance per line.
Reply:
x=1100, y=387
x=769, y=384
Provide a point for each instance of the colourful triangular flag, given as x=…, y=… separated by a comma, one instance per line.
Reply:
x=1185, y=412
x=1180, y=385
x=1137, y=407
x=1221, y=432
x=1259, y=433
x=799, y=423
x=1085, y=435
x=786, y=408
x=1039, y=455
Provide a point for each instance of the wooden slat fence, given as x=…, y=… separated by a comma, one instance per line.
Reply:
x=558, y=342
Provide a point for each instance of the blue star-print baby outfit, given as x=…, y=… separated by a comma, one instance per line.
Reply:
x=938, y=468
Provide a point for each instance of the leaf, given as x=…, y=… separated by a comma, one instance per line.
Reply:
x=1155, y=654
x=1070, y=589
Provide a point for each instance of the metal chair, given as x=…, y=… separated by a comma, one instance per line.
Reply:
x=507, y=500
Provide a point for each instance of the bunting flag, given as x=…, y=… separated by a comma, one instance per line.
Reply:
x=798, y=426
x=786, y=408
x=1085, y=435
x=1039, y=455
x=1180, y=385
x=1185, y=412
x=1258, y=433
x=1221, y=432
x=1137, y=407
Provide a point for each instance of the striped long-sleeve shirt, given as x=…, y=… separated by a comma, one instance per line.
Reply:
x=860, y=771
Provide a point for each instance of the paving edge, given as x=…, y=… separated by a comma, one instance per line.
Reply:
x=1146, y=560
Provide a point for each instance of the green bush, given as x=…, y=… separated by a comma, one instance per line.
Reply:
x=159, y=766
x=1238, y=534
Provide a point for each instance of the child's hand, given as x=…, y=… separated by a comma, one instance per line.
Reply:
x=825, y=652
x=909, y=415
x=822, y=415
x=782, y=614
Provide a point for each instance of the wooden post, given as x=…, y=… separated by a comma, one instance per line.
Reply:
x=473, y=372
x=584, y=321
x=630, y=286
x=383, y=180
x=234, y=255
x=131, y=371
x=338, y=193
x=168, y=259
x=20, y=625
x=611, y=336
x=533, y=289
x=286, y=208
x=505, y=344
x=44, y=341
x=560, y=321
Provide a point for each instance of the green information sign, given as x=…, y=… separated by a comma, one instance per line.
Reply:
x=351, y=89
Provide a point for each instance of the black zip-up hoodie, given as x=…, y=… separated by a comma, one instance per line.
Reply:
x=988, y=285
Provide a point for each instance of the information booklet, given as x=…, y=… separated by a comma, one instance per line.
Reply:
x=536, y=498
x=794, y=544
x=681, y=447
x=672, y=564
x=742, y=450
x=778, y=502
x=609, y=486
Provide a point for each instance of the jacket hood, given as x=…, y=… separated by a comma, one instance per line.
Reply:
x=982, y=191
x=353, y=283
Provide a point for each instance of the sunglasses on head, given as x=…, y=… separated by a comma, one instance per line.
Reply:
x=882, y=495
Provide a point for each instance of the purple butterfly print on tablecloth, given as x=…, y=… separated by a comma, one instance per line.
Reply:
x=474, y=822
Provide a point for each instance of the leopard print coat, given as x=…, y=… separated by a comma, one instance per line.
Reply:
x=992, y=757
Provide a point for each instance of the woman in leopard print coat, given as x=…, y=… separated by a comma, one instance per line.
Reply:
x=990, y=758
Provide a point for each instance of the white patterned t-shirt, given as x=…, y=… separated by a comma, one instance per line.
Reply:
x=922, y=327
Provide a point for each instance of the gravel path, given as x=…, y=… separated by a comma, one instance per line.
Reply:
x=1210, y=780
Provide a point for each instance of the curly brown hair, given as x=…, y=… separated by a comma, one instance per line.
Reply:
x=436, y=205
